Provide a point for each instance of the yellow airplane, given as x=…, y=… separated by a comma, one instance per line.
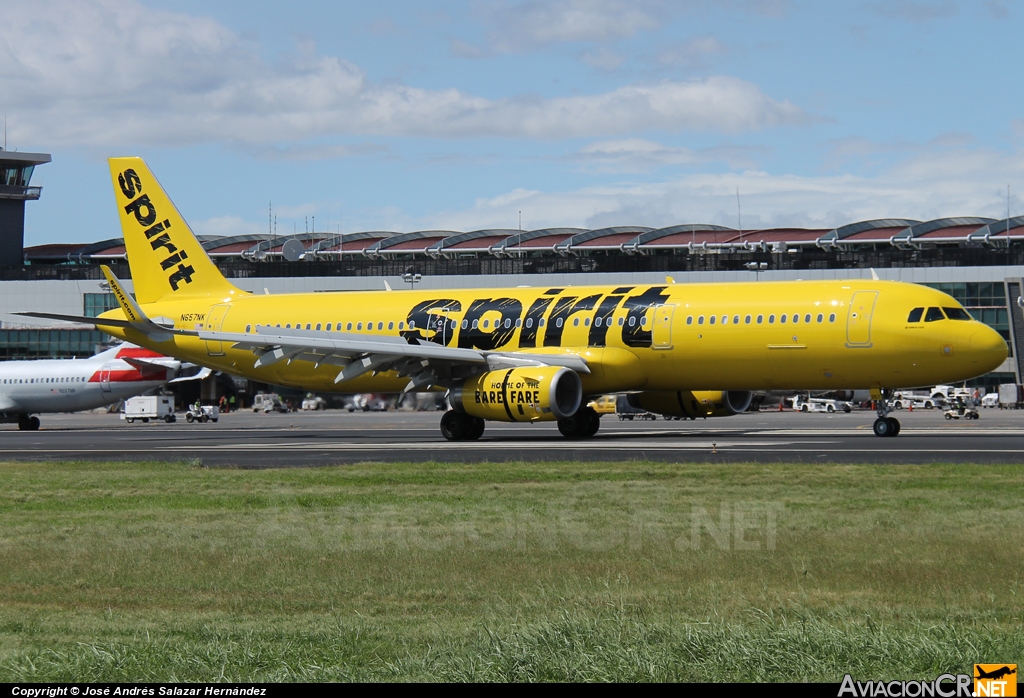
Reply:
x=538, y=354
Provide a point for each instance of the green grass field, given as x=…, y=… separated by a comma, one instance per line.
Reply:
x=572, y=571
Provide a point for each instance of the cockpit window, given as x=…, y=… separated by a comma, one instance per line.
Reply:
x=957, y=314
x=915, y=315
x=934, y=314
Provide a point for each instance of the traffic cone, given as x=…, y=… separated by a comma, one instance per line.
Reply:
x=911, y=407
x=780, y=405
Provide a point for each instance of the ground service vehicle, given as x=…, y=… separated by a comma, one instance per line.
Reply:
x=1011, y=396
x=814, y=404
x=539, y=354
x=202, y=413
x=147, y=407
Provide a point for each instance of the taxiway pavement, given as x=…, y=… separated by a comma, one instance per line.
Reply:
x=246, y=439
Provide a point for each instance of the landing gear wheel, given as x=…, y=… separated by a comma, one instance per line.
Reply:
x=26, y=423
x=456, y=426
x=478, y=429
x=581, y=425
x=886, y=426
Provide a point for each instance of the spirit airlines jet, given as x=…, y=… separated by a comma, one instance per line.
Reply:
x=537, y=354
x=70, y=385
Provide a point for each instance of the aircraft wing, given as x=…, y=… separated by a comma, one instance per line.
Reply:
x=426, y=363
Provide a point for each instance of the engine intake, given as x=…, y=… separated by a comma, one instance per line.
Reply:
x=693, y=404
x=528, y=394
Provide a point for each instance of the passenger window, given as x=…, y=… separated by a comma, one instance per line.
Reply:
x=712, y=319
x=689, y=320
x=558, y=322
x=401, y=325
x=746, y=320
x=487, y=324
x=519, y=322
x=915, y=315
x=308, y=327
x=832, y=317
x=318, y=326
x=956, y=314
x=476, y=324
x=782, y=319
x=542, y=322
x=359, y=326
x=796, y=318
x=328, y=327
x=632, y=321
x=288, y=326
x=771, y=319
x=820, y=317
x=725, y=319
x=807, y=318
x=349, y=326
x=643, y=321
x=380, y=326
x=465, y=324
x=759, y=319
x=508, y=323
x=735, y=319
x=700, y=320
x=391, y=325
x=586, y=322
x=576, y=322
x=529, y=322
x=248, y=328
x=934, y=314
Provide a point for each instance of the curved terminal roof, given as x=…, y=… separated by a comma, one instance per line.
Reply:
x=695, y=237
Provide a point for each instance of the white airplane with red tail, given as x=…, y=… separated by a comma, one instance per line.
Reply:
x=69, y=385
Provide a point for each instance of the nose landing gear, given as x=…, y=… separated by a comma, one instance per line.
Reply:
x=886, y=425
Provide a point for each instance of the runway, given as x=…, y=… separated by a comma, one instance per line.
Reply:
x=245, y=439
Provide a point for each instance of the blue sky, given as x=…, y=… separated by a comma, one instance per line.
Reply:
x=459, y=115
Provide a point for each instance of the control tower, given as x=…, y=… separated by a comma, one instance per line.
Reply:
x=15, y=172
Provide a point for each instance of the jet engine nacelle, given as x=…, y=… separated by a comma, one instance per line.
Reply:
x=693, y=404
x=540, y=394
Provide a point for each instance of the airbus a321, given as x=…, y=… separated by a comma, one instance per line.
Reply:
x=31, y=387
x=537, y=354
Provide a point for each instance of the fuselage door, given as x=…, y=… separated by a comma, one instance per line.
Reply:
x=662, y=333
x=858, y=320
x=214, y=321
x=105, y=379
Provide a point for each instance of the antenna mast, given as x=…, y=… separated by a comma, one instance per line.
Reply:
x=739, y=216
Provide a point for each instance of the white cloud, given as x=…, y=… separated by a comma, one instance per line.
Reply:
x=641, y=155
x=603, y=59
x=526, y=25
x=924, y=186
x=102, y=73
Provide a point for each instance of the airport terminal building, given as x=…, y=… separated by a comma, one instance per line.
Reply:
x=979, y=261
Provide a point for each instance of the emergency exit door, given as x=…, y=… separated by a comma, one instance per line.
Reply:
x=214, y=322
x=662, y=332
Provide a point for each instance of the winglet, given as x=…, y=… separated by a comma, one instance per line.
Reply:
x=132, y=311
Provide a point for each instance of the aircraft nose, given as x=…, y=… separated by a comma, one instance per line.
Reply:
x=988, y=349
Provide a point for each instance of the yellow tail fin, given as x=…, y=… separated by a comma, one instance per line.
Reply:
x=165, y=257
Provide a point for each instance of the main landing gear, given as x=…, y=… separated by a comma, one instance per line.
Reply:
x=458, y=426
x=581, y=425
x=26, y=423
x=886, y=425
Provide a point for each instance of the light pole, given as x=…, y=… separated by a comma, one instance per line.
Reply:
x=411, y=278
x=757, y=268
